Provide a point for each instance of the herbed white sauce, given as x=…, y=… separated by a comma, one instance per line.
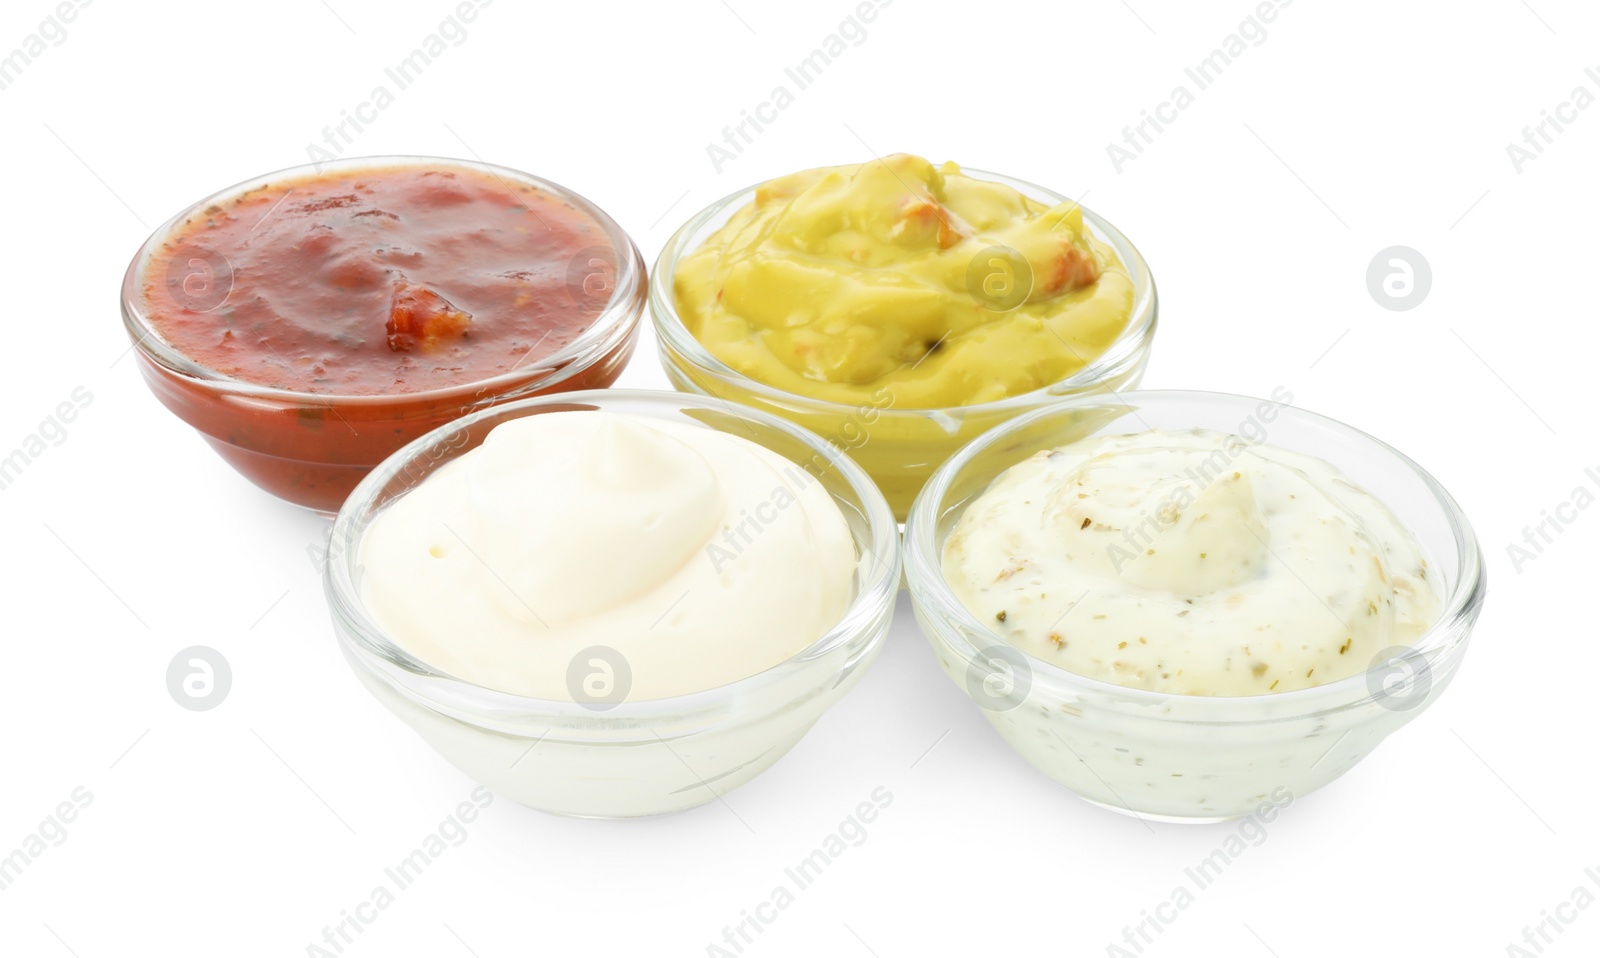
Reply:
x=1190, y=562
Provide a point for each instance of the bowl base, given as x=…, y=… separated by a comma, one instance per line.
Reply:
x=1165, y=819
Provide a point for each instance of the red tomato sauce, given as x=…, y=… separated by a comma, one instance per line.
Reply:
x=376, y=301
x=377, y=281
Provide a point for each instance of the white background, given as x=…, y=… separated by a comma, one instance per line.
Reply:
x=1352, y=127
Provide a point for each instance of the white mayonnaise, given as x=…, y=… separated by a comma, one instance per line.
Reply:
x=689, y=557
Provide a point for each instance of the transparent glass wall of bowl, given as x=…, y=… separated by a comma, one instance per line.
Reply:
x=899, y=448
x=1195, y=758
x=636, y=758
x=312, y=448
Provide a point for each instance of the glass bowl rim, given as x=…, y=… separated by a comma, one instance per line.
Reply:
x=1459, y=609
x=616, y=320
x=1124, y=353
x=358, y=633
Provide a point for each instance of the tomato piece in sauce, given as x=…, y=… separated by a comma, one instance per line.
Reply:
x=421, y=318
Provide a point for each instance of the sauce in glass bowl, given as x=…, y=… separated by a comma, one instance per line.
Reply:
x=311, y=322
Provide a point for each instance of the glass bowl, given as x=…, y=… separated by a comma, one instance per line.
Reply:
x=312, y=448
x=899, y=448
x=618, y=760
x=1189, y=757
